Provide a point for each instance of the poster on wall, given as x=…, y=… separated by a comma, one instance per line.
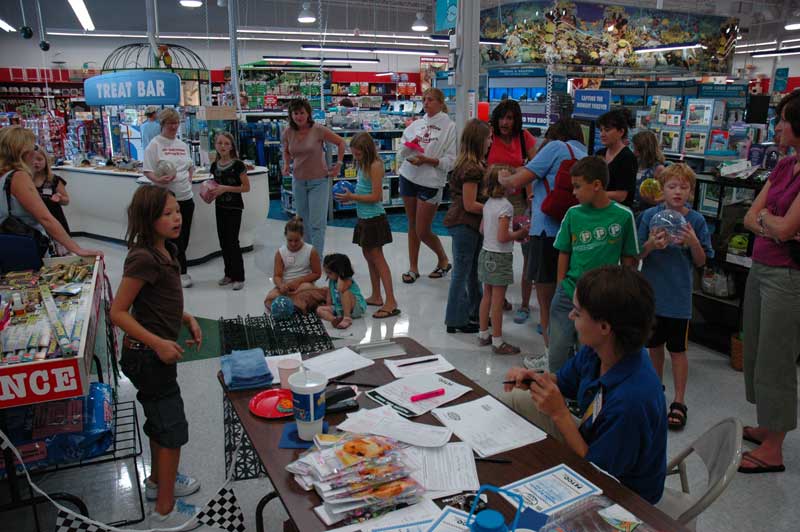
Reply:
x=576, y=33
x=446, y=14
x=428, y=67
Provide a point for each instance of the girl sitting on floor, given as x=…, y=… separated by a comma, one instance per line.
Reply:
x=297, y=264
x=344, y=301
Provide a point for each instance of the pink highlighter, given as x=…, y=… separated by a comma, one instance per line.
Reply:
x=427, y=395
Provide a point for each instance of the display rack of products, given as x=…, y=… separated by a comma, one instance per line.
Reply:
x=50, y=133
x=83, y=136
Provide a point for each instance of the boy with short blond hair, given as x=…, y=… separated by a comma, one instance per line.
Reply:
x=669, y=263
x=597, y=232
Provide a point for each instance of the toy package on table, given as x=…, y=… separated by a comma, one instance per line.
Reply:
x=595, y=514
x=59, y=432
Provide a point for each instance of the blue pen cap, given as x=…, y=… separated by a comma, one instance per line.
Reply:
x=489, y=521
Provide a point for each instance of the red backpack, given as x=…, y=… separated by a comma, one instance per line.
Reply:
x=560, y=198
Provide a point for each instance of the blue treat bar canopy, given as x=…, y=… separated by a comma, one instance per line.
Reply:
x=133, y=87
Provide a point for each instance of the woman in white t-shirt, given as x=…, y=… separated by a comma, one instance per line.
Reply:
x=429, y=153
x=167, y=147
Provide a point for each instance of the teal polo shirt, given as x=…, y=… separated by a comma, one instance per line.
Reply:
x=628, y=437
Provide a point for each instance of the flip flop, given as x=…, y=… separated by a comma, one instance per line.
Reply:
x=438, y=273
x=374, y=304
x=409, y=277
x=751, y=439
x=676, y=418
x=761, y=466
x=383, y=313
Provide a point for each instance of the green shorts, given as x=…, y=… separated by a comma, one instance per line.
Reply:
x=496, y=269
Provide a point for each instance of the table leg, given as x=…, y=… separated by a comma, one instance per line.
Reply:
x=260, y=510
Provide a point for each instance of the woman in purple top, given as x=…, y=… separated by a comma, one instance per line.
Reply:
x=772, y=302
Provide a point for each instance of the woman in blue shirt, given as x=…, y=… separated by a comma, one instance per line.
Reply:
x=623, y=418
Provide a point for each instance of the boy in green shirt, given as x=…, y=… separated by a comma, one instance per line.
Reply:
x=597, y=232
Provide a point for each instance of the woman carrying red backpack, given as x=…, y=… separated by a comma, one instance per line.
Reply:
x=563, y=146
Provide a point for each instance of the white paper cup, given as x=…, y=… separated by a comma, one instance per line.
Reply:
x=285, y=369
x=308, y=399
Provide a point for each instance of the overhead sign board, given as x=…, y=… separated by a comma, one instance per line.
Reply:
x=133, y=87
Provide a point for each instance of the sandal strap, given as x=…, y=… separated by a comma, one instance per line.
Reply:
x=679, y=407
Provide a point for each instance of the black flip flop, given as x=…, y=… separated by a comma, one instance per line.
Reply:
x=386, y=313
x=410, y=277
x=677, y=411
x=761, y=466
x=438, y=273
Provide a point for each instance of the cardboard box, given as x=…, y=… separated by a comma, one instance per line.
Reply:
x=216, y=113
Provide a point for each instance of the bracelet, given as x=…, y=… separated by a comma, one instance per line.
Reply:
x=760, y=221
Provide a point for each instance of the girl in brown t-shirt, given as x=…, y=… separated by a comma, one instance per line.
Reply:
x=148, y=307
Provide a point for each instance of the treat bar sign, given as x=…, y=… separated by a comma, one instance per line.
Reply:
x=133, y=87
x=25, y=384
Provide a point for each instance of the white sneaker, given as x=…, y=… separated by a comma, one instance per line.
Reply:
x=184, y=485
x=181, y=518
x=224, y=281
x=186, y=280
x=535, y=362
x=238, y=285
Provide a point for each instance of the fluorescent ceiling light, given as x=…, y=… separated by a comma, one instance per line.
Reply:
x=317, y=60
x=776, y=53
x=792, y=25
x=483, y=40
x=306, y=16
x=366, y=50
x=419, y=23
x=765, y=43
x=189, y=3
x=82, y=13
x=6, y=26
x=755, y=51
x=384, y=74
x=669, y=48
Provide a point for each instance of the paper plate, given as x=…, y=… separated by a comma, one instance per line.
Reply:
x=265, y=404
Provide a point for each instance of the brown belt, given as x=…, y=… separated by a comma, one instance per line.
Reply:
x=136, y=345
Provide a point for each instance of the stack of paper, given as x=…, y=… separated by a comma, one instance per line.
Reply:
x=489, y=426
x=398, y=394
x=337, y=362
x=384, y=421
x=408, y=367
x=416, y=518
x=552, y=490
x=450, y=468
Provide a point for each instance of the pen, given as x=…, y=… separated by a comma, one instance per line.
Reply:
x=427, y=395
x=423, y=361
x=351, y=383
x=526, y=381
x=494, y=460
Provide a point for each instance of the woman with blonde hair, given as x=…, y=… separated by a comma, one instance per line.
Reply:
x=463, y=221
x=18, y=195
x=168, y=148
x=428, y=153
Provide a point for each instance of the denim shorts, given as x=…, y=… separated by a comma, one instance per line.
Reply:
x=158, y=392
x=426, y=194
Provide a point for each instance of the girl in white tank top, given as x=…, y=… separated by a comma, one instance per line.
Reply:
x=297, y=264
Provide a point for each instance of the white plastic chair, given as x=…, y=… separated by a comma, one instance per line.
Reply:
x=720, y=448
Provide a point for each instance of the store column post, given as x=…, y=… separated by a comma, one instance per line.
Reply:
x=234, y=45
x=467, y=59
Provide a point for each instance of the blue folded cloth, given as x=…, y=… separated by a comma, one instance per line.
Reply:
x=242, y=370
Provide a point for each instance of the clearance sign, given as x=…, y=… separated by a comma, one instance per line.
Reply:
x=24, y=384
x=133, y=87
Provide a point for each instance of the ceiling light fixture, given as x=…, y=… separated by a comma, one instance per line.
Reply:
x=189, y=3
x=317, y=60
x=776, y=53
x=750, y=45
x=670, y=48
x=384, y=74
x=367, y=50
x=419, y=23
x=792, y=25
x=82, y=13
x=6, y=26
x=317, y=33
x=754, y=51
x=483, y=40
x=306, y=16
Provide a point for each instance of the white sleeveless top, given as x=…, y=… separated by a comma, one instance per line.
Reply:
x=296, y=264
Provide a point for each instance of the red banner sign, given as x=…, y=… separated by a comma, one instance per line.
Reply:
x=24, y=384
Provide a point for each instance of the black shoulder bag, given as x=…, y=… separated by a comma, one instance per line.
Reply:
x=14, y=226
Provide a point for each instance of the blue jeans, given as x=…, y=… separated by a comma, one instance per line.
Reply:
x=311, y=199
x=464, y=296
x=563, y=336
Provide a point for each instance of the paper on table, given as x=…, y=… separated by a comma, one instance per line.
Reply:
x=424, y=510
x=272, y=363
x=338, y=362
x=450, y=467
x=397, y=394
x=552, y=490
x=384, y=421
x=413, y=460
x=450, y=520
x=440, y=365
x=619, y=517
x=489, y=426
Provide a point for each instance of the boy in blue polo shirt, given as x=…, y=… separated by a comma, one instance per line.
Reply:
x=623, y=425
